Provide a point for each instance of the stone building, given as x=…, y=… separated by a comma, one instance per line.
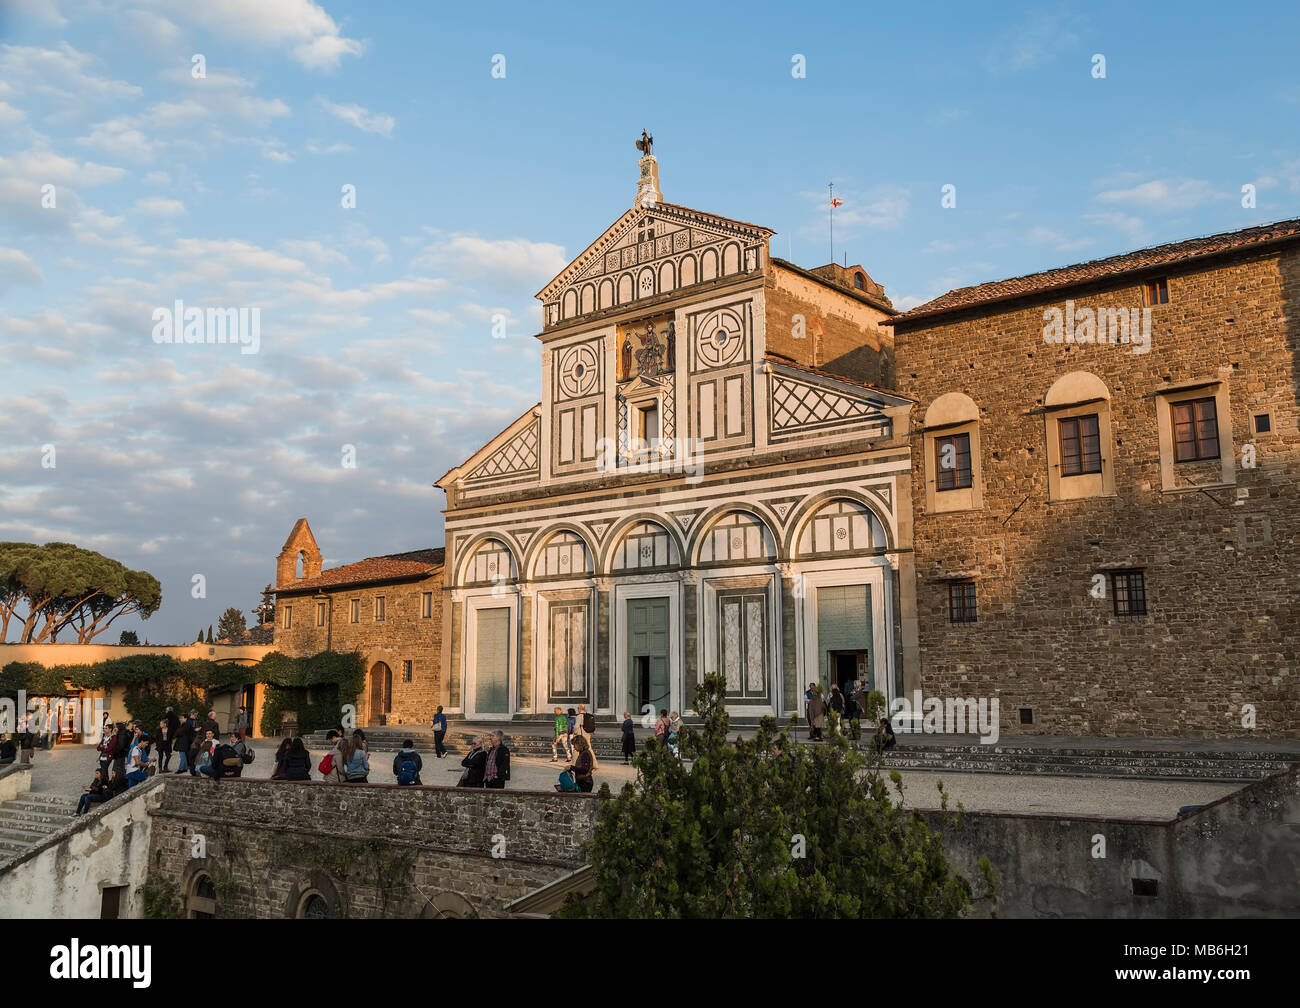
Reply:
x=1104, y=490
x=389, y=608
x=717, y=479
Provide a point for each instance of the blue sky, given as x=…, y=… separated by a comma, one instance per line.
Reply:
x=473, y=190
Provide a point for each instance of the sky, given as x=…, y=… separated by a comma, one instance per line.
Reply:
x=161, y=150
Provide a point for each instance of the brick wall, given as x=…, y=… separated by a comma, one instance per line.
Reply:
x=1222, y=578
x=280, y=840
x=842, y=333
x=403, y=635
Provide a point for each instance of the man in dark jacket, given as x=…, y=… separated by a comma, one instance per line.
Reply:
x=497, y=769
x=173, y=723
x=184, y=743
x=211, y=724
x=124, y=741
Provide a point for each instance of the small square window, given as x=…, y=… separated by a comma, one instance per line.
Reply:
x=961, y=602
x=1263, y=423
x=1026, y=715
x=379, y=609
x=1155, y=292
x=1129, y=591
x=408, y=671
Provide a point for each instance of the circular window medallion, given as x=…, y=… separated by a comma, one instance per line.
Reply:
x=720, y=338
x=580, y=370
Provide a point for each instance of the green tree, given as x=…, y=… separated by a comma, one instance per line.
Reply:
x=763, y=828
x=129, y=637
x=209, y=640
x=265, y=610
x=61, y=587
x=231, y=626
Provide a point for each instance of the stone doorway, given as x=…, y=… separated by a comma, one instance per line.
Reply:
x=381, y=695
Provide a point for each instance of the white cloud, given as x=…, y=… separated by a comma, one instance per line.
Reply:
x=517, y=257
x=1133, y=228
x=157, y=206
x=312, y=37
x=43, y=13
x=10, y=117
x=1038, y=36
x=1161, y=194
x=1057, y=240
x=65, y=76
x=318, y=253
x=361, y=118
x=339, y=148
x=16, y=268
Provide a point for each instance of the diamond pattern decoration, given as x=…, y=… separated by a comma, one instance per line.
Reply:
x=797, y=404
x=518, y=455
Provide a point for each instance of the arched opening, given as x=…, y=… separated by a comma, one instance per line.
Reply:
x=201, y=898
x=299, y=565
x=381, y=694
x=859, y=281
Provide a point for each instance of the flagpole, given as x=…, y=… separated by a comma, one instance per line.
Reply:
x=830, y=216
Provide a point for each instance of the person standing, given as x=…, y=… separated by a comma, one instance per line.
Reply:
x=27, y=740
x=629, y=738
x=837, y=700
x=241, y=723
x=816, y=716
x=475, y=762
x=663, y=727
x=561, y=735
x=183, y=743
x=496, y=771
x=165, y=742
x=173, y=724
x=122, y=750
x=211, y=725
x=439, y=733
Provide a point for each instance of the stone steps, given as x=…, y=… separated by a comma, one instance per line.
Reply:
x=28, y=819
x=1135, y=762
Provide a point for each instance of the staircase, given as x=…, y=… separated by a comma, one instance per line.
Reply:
x=30, y=818
x=1204, y=762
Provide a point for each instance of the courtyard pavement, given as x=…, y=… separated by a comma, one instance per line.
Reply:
x=68, y=768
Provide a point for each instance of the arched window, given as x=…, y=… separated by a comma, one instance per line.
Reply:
x=490, y=563
x=563, y=555
x=859, y=281
x=737, y=537
x=646, y=545
x=201, y=900
x=841, y=526
x=1077, y=413
x=954, y=479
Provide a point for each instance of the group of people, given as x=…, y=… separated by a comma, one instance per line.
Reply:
x=33, y=733
x=848, y=707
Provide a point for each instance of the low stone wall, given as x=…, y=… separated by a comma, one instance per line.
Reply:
x=367, y=850
x=1237, y=857
x=63, y=877
x=14, y=780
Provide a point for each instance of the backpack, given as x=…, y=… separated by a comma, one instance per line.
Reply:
x=249, y=755
x=567, y=783
x=406, y=771
x=327, y=765
x=588, y=722
x=356, y=766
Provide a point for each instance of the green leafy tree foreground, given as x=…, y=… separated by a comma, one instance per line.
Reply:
x=764, y=828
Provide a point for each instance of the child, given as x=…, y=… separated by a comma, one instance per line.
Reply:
x=629, y=739
x=562, y=730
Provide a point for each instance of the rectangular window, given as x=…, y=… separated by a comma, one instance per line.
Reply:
x=1196, y=430
x=961, y=602
x=952, y=462
x=647, y=425
x=320, y=613
x=1129, y=590
x=354, y=611
x=1155, y=292
x=742, y=644
x=1080, y=445
x=426, y=605
x=288, y=617
x=408, y=671
x=379, y=608
x=569, y=650
x=1263, y=423
x=110, y=902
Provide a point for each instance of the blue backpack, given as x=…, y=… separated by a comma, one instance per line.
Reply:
x=356, y=766
x=567, y=783
x=406, y=771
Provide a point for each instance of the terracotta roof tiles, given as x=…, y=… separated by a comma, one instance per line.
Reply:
x=394, y=566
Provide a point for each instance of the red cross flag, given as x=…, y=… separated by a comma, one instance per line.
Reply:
x=835, y=203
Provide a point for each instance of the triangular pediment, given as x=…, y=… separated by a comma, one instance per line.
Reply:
x=512, y=454
x=624, y=244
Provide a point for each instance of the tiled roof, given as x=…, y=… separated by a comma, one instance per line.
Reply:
x=881, y=303
x=264, y=634
x=1101, y=269
x=392, y=567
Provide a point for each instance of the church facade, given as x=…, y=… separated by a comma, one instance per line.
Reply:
x=716, y=480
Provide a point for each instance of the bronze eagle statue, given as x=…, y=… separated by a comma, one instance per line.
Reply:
x=644, y=144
